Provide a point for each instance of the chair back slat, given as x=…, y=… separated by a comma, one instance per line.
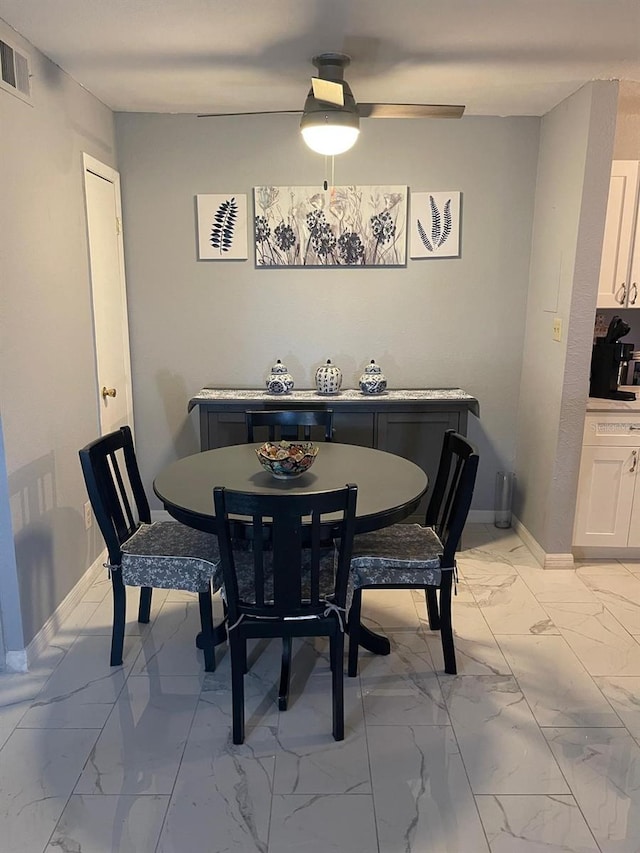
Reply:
x=289, y=424
x=286, y=560
x=226, y=553
x=316, y=544
x=258, y=558
x=286, y=566
x=115, y=489
x=454, y=479
x=452, y=493
x=128, y=519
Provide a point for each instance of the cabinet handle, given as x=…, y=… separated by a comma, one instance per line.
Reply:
x=622, y=290
x=634, y=463
x=632, y=427
x=634, y=288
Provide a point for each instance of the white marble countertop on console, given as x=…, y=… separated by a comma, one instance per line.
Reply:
x=348, y=396
x=597, y=404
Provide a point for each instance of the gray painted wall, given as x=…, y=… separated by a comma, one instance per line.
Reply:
x=576, y=146
x=47, y=374
x=444, y=322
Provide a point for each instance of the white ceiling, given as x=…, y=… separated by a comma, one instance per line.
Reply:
x=499, y=57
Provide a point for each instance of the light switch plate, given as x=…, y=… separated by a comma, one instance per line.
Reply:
x=557, y=329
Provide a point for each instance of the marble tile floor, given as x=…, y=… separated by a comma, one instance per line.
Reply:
x=534, y=746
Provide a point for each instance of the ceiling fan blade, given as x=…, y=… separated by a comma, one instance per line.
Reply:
x=258, y=113
x=410, y=110
x=328, y=91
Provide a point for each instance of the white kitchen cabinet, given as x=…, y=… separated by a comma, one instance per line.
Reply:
x=608, y=505
x=620, y=262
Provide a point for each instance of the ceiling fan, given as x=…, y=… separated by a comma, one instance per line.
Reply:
x=330, y=121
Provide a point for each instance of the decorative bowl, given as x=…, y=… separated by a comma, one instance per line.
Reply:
x=285, y=459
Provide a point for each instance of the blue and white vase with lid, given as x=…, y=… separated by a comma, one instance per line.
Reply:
x=279, y=381
x=373, y=380
x=328, y=379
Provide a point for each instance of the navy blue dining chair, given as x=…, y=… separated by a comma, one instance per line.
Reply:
x=163, y=554
x=412, y=556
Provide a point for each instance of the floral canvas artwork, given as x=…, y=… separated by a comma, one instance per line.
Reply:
x=341, y=226
x=435, y=225
x=222, y=227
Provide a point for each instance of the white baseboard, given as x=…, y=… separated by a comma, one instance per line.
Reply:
x=546, y=560
x=48, y=631
x=559, y=561
x=16, y=661
x=589, y=552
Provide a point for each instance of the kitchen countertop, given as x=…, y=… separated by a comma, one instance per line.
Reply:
x=598, y=404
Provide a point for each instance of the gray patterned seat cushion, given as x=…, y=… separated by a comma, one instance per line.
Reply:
x=243, y=560
x=400, y=554
x=169, y=555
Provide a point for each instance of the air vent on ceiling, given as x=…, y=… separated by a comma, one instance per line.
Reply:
x=14, y=72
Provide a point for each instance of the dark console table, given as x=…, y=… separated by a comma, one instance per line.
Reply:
x=410, y=423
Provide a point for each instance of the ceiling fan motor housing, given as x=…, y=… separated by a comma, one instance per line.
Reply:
x=331, y=67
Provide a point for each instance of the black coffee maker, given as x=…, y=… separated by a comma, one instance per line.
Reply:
x=609, y=362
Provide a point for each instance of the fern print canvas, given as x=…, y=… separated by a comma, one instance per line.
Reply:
x=435, y=225
x=222, y=227
x=346, y=226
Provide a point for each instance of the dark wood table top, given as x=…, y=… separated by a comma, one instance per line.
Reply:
x=389, y=486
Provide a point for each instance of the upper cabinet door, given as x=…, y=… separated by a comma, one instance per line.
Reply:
x=634, y=274
x=615, y=289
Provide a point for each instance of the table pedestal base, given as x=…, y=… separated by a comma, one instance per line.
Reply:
x=372, y=642
x=219, y=635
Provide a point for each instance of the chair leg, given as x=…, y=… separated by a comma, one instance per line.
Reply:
x=119, y=617
x=337, y=683
x=206, y=637
x=285, y=674
x=446, y=630
x=220, y=630
x=238, y=649
x=433, y=613
x=353, y=628
x=144, y=608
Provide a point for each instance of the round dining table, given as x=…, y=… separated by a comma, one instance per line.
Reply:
x=389, y=486
x=389, y=489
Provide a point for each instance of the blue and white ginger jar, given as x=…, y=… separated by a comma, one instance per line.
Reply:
x=279, y=381
x=328, y=379
x=373, y=380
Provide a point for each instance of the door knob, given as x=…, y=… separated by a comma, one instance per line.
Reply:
x=108, y=392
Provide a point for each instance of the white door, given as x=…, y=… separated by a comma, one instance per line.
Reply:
x=605, y=495
x=111, y=328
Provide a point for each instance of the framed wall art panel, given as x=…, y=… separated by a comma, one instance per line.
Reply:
x=341, y=226
x=435, y=225
x=222, y=227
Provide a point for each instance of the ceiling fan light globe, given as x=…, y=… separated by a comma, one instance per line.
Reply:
x=330, y=139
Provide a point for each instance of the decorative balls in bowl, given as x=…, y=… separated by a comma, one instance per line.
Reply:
x=287, y=459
